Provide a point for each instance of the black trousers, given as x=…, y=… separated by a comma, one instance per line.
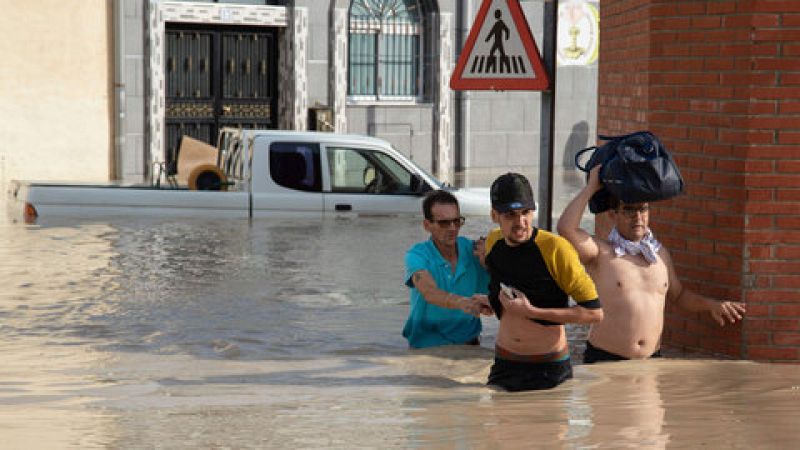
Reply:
x=515, y=376
x=593, y=354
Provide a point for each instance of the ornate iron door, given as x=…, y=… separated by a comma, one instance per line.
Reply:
x=218, y=77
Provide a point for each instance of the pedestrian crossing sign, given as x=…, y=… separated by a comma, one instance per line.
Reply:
x=500, y=53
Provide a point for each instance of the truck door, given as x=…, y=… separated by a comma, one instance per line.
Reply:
x=365, y=181
x=287, y=180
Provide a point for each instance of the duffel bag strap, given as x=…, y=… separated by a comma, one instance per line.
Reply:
x=578, y=157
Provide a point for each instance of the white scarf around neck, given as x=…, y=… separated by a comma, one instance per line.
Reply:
x=647, y=247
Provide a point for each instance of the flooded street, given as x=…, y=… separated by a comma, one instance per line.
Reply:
x=286, y=334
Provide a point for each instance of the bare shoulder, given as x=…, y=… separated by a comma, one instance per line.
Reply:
x=664, y=253
x=594, y=251
x=602, y=244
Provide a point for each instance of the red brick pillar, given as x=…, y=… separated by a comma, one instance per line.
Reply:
x=719, y=82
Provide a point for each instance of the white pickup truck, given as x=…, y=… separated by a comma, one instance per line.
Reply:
x=259, y=173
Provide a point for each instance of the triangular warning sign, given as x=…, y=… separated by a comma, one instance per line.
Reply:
x=500, y=53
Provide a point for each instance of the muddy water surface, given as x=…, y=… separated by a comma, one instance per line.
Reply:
x=231, y=334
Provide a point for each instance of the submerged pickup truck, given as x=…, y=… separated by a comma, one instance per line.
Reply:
x=259, y=173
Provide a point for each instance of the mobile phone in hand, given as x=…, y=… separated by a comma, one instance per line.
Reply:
x=507, y=289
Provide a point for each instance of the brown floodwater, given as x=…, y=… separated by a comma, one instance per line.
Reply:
x=286, y=334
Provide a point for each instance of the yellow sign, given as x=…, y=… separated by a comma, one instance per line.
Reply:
x=578, y=33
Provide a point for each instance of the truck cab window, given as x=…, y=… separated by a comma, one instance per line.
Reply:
x=366, y=171
x=295, y=166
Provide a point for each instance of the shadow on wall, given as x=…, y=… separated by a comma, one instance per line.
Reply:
x=577, y=140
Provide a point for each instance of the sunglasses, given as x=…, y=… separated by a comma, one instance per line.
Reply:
x=633, y=211
x=446, y=223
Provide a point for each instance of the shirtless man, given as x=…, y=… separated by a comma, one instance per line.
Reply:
x=543, y=270
x=634, y=275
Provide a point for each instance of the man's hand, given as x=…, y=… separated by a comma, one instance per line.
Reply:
x=593, y=183
x=484, y=307
x=476, y=305
x=518, y=306
x=479, y=249
x=724, y=312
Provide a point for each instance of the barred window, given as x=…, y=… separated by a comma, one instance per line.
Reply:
x=385, y=49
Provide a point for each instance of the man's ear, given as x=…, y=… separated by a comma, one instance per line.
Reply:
x=427, y=225
x=614, y=218
x=495, y=217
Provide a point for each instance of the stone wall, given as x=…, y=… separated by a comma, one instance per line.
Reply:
x=718, y=82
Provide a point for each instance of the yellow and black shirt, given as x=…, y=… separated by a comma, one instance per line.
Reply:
x=546, y=269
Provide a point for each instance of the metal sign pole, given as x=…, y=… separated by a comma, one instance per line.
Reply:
x=547, y=117
x=501, y=54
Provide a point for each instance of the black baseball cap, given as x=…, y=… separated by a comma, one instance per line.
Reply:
x=511, y=191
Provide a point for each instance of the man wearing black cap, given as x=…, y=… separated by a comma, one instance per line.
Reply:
x=542, y=271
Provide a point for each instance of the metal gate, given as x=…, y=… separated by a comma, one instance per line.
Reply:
x=218, y=77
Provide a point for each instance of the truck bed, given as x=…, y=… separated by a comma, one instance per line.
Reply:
x=109, y=199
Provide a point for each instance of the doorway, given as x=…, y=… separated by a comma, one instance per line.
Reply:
x=215, y=77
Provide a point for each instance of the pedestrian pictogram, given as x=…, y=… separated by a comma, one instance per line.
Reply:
x=500, y=53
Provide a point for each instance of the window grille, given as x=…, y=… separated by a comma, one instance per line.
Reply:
x=385, y=49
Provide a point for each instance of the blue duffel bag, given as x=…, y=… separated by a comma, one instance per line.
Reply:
x=636, y=168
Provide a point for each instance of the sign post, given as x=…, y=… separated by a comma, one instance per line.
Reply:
x=547, y=123
x=500, y=54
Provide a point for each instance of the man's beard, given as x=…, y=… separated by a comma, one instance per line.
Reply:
x=514, y=232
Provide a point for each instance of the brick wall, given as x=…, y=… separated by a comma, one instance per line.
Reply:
x=719, y=82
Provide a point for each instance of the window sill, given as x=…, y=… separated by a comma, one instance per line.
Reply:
x=361, y=101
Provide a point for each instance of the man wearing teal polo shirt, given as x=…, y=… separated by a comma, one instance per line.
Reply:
x=447, y=280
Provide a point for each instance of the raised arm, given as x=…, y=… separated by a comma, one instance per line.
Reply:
x=569, y=225
x=426, y=286
x=721, y=311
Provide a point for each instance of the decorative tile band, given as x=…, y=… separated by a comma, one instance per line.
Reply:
x=443, y=119
x=339, y=70
x=300, y=40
